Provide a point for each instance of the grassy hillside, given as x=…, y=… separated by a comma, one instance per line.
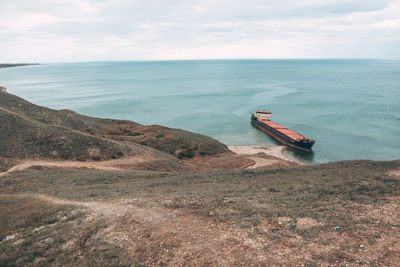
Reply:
x=31, y=131
x=336, y=214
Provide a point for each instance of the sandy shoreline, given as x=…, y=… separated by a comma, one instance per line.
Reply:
x=264, y=156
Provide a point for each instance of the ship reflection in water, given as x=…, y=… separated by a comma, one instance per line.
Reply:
x=300, y=155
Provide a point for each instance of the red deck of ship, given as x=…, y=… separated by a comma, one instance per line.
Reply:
x=282, y=129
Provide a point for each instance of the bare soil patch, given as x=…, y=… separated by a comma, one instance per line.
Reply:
x=394, y=173
x=304, y=223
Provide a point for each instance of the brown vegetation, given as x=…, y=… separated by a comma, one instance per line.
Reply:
x=28, y=131
x=344, y=213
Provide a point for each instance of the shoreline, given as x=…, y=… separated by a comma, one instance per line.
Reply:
x=264, y=156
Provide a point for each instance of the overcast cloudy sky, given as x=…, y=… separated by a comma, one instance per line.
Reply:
x=90, y=30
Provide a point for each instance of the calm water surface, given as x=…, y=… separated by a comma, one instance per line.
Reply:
x=350, y=107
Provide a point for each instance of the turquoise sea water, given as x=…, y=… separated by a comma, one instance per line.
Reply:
x=350, y=107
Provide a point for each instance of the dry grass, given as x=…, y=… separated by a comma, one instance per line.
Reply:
x=34, y=232
x=31, y=132
x=248, y=217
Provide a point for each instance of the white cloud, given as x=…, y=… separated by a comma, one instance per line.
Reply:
x=86, y=30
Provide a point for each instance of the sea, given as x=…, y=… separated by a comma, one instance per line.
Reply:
x=350, y=107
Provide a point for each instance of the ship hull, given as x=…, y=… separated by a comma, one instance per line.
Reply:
x=300, y=145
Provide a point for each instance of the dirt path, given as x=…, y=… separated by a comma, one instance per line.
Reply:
x=14, y=113
x=153, y=233
x=107, y=165
x=263, y=156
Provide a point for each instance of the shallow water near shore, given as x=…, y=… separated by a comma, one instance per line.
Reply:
x=350, y=107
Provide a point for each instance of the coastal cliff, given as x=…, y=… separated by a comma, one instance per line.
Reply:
x=83, y=191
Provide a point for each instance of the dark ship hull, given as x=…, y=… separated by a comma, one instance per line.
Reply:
x=283, y=134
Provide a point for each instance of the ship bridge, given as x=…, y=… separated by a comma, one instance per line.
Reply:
x=262, y=115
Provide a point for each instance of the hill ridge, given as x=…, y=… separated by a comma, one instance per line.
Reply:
x=32, y=132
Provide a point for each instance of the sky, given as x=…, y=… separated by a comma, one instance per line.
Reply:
x=98, y=30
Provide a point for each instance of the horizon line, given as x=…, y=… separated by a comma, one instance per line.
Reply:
x=195, y=59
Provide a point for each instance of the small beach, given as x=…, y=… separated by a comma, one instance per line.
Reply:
x=264, y=156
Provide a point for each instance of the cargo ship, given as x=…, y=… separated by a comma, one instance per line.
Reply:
x=261, y=120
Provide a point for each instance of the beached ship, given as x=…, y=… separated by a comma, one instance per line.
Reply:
x=261, y=120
